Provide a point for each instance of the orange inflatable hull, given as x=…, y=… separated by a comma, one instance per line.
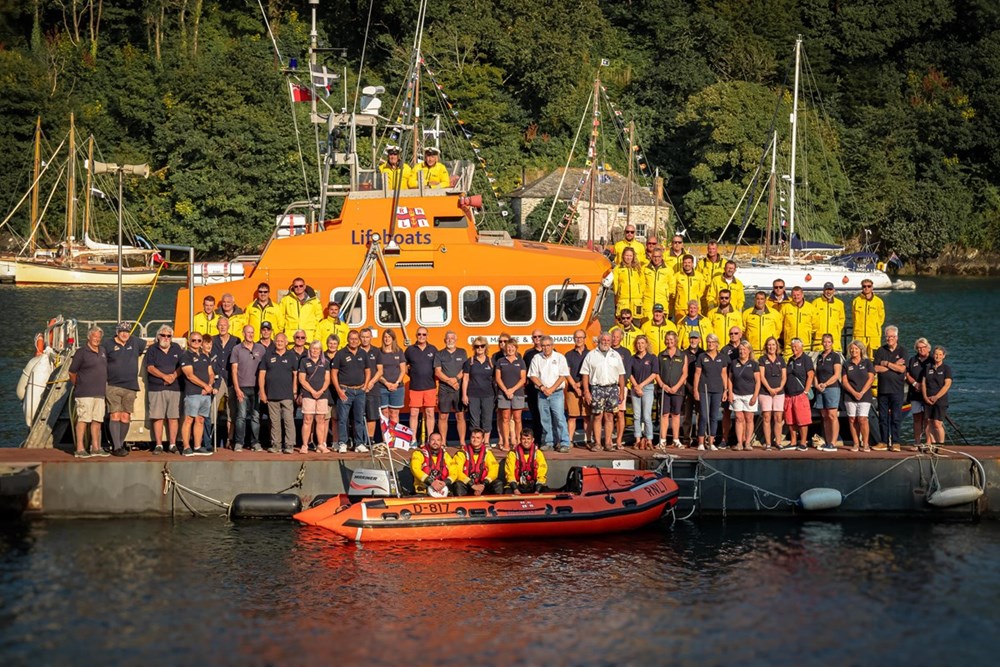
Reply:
x=609, y=501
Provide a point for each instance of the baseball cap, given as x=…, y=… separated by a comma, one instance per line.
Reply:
x=828, y=285
x=658, y=308
x=265, y=325
x=694, y=334
x=123, y=326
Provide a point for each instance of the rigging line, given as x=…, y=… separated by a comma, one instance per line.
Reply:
x=48, y=163
x=736, y=210
x=569, y=158
x=364, y=47
x=41, y=216
x=270, y=33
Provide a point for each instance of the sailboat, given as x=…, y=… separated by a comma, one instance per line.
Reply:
x=806, y=265
x=72, y=261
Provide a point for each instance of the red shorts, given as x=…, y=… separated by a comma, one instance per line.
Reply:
x=423, y=399
x=798, y=412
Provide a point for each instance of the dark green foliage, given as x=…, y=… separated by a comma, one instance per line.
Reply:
x=911, y=87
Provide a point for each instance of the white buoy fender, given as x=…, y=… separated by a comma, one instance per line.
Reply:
x=956, y=495
x=820, y=499
x=22, y=382
x=35, y=386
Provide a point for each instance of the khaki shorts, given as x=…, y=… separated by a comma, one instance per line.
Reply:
x=120, y=399
x=575, y=405
x=89, y=409
x=164, y=404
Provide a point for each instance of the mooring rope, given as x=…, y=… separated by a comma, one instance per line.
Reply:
x=171, y=485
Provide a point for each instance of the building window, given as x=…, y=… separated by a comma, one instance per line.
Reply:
x=566, y=306
x=385, y=310
x=640, y=230
x=517, y=305
x=352, y=314
x=433, y=306
x=623, y=211
x=477, y=306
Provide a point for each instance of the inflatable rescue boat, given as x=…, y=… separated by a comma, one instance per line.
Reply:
x=594, y=501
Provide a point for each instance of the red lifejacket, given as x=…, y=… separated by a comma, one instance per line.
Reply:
x=524, y=466
x=475, y=467
x=435, y=469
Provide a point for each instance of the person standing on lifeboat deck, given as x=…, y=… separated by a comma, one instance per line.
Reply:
x=261, y=310
x=395, y=171
x=89, y=374
x=300, y=309
x=525, y=468
x=477, y=471
x=432, y=468
x=630, y=242
x=868, y=315
x=431, y=171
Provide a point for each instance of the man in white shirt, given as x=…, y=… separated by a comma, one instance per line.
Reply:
x=549, y=372
x=603, y=373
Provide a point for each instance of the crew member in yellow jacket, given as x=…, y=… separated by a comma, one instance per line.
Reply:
x=657, y=328
x=760, y=322
x=228, y=308
x=729, y=281
x=207, y=321
x=630, y=242
x=830, y=318
x=525, y=468
x=301, y=309
x=331, y=324
x=660, y=283
x=432, y=468
x=689, y=285
x=263, y=309
x=433, y=173
x=629, y=283
x=396, y=172
x=797, y=321
x=868, y=312
x=711, y=266
x=477, y=471
x=725, y=317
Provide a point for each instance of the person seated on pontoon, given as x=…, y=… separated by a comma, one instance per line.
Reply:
x=433, y=469
x=525, y=468
x=477, y=471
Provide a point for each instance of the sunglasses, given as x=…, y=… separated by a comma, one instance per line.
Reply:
x=195, y=340
x=263, y=291
x=164, y=336
x=478, y=347
x=300, y=338
x=422, y=334
x=629, y=232
x=677, y=242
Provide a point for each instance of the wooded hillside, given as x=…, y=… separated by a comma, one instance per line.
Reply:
x=194, y=88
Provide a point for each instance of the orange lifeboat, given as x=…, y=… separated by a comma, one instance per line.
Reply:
x=597, y=501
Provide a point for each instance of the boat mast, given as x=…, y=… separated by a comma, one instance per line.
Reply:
x=86, y=198
x=418, y=40
x=34, y=180
x=628, y=182
x=71, y=187
x=772, y=194
x=795, y=129
x=593, y=163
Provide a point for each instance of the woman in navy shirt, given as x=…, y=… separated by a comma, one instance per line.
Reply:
x=937, y=383
x=711, y=380
x=644, y=371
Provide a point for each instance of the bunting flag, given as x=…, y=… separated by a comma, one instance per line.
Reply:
x=322, y=80
x=618, y=118
x=395, y=435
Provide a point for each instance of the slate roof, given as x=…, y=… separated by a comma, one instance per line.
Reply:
x=609, y=190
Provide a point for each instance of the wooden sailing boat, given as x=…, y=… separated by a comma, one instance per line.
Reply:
x=72, y=262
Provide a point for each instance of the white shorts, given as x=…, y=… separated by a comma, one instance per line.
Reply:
x=857, y=408
x=742, y=403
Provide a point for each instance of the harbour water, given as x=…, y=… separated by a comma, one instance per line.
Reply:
x=709, y=592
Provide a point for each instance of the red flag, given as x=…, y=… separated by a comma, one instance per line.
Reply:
x=301, y=93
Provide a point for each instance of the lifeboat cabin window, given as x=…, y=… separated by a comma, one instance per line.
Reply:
x=385, y=310
x=433, y=306
x=477, y=306
x=353, y=315
x=517, y=305
x=565, y=306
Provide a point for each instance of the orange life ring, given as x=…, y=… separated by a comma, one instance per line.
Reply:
x=39, y=344
x=51, y=333
x=845, y=280
x=808, y=277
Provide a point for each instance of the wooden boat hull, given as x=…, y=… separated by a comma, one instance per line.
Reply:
x=610, y=501
x=39, y=273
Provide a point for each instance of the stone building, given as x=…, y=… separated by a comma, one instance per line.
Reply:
x=610, y=206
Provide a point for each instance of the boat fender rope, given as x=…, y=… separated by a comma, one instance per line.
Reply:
x=171, y=485
x=297, y=484
x=753, y=487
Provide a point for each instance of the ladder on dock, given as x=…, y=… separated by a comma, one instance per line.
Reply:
x=52, y=419
x=687, y=473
